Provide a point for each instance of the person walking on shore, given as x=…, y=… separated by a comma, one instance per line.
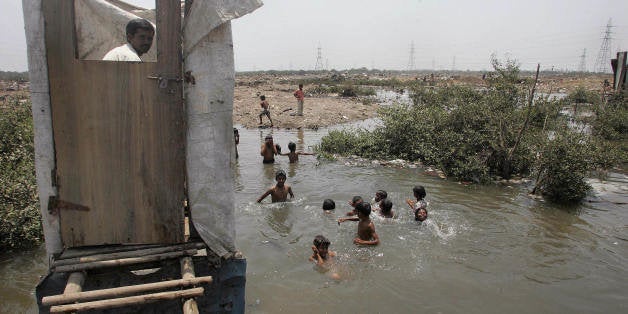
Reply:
x=299, y=95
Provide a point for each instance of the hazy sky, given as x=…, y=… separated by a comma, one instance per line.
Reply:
x=460, y=34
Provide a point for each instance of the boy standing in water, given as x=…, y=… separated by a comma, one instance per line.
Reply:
x=293, y=155
x=264, y=104
x=420, y=205
x=366, y=228
x=269, y=150
x=279, y=192
x=380, y=195
x=385, y=208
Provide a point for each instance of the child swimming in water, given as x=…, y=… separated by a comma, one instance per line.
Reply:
x=420, y=203
x=279, y=192
x=366, y=228
x=385, y=208
x=328, y=206
x=353, y=202
x=293, y=155
x=320, y=251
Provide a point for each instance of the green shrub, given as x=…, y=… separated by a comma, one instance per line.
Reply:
x=563, y=167
x=20, y=222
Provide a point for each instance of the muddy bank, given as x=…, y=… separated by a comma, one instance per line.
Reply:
x=318, y=110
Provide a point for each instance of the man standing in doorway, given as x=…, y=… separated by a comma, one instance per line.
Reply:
x=139, y=37
x=299, y=95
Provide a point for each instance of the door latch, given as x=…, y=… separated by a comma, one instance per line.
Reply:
x=163, y=80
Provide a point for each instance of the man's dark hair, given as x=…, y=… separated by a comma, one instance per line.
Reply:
x=419, y=191
x=262, y=97
x=135, y=24
x=386, y=206
x=292, y=146
x=329, y=204
x=300, y=85
x=321, y=241
x=364, y=208
x=280, y=173
x=382, y=193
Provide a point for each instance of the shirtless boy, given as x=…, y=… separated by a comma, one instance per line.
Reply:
x=320, y=251
x=420, y=205
x=353, y=202
x=268, y=150
x=265, y=112
x=366, y=228
x=279, y=192
x=293, y=155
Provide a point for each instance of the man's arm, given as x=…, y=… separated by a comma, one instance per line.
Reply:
x=411, y=203
x=303, y=153
x=263, y=150
x=343, y=219
x=290, y=192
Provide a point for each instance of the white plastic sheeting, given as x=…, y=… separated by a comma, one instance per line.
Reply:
x=208, y=54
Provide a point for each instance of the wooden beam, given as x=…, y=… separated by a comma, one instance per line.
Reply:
x=140, y=299
x=124, y=261
x=127, y=254
x=187, y=272
x=121, y=291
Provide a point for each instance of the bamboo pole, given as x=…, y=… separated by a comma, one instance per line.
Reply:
x=140, y=299
x=124, y=261
x=127, y=254
x=121, y=291
x=75, y=283
x=187, y=272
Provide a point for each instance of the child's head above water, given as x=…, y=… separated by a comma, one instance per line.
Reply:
x=292, y=146
x=262, y=97
x=386, y=206
x=279, y=175
x=329, y=204
x=380, y=195
x=419, y=191
x=322, y=245
x=363, y=208
x=356, y=200
x=420, y=214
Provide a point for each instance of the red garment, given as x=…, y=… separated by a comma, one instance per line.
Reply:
x=299, y=94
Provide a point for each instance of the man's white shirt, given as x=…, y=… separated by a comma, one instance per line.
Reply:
x=122, y=53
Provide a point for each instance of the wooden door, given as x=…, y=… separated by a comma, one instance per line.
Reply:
x=119, y=137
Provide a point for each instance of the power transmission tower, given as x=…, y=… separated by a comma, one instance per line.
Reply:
x=583, y=61
x=319, y=59
x=604, y=56
x=411, y=59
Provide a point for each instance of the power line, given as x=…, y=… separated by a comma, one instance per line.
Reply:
x=411, y=58
x=604, y=56
x=583, y=62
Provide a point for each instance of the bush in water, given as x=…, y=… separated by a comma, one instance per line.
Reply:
x=20, y=220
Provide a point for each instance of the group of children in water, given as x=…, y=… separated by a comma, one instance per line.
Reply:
x=361, y=212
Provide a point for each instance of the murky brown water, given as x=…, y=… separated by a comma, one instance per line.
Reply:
x=484, y=249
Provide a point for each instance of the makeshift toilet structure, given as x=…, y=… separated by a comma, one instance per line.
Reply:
x=128, y=153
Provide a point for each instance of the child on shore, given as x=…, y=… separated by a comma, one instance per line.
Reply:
x=279, y=192
x=293, y=155
x=264, y=104
x=420, y=205
x=328, y=206
x=366, y=228
x=353, y=202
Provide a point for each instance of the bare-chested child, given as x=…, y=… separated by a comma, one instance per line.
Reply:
x=380, y=195
x=353, y=202
x=265, y=112
x=420, y=205
x=366, y=228
x=268, y=150
x=320, y=251
x=293, y=155
x=279, y=192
